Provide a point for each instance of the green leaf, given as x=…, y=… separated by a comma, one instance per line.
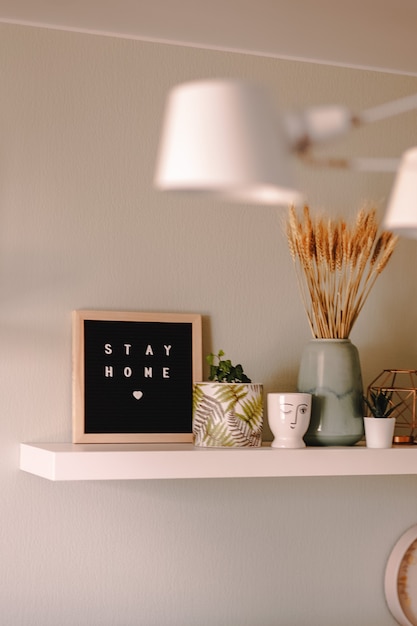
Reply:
x=379, y=403
x=224, y=371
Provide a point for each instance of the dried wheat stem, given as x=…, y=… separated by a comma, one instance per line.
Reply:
x=336, y=267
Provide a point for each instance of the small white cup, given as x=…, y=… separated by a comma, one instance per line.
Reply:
x=379, y=431
x=288, y=417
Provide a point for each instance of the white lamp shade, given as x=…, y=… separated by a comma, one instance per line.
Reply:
x=223, y=138
x=401, y=214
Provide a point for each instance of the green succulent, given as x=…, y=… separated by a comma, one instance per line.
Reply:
x=379, y=403
x=223, y=371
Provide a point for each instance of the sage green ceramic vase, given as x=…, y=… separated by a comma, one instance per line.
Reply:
x=330, y=370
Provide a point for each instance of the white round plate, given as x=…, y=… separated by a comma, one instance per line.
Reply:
x=401, y=579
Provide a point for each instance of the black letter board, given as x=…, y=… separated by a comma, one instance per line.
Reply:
x=133, y=376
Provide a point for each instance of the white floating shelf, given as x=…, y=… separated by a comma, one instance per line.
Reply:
x=65, y=461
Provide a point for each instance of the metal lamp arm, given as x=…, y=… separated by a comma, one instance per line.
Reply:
x=321, y=124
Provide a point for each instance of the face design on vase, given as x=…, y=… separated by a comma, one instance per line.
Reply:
x=293, y=412
x=289, y=416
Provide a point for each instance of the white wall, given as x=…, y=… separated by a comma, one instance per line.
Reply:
x=82, y=227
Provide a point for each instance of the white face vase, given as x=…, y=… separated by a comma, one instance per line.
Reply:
x=288, y=418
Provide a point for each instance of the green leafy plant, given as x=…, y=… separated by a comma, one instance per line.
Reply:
x=379, y=403
x=222, y=370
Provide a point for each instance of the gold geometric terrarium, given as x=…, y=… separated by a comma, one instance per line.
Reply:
x=402, y=384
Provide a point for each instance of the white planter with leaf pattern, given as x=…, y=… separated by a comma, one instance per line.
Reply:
x=227, y=415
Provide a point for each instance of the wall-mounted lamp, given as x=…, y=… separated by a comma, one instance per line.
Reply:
x=401, y=213
x=225, y=138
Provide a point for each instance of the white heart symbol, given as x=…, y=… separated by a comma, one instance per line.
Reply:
x=137, y=395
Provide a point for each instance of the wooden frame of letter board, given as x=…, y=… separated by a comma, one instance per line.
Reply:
x=78, y=373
